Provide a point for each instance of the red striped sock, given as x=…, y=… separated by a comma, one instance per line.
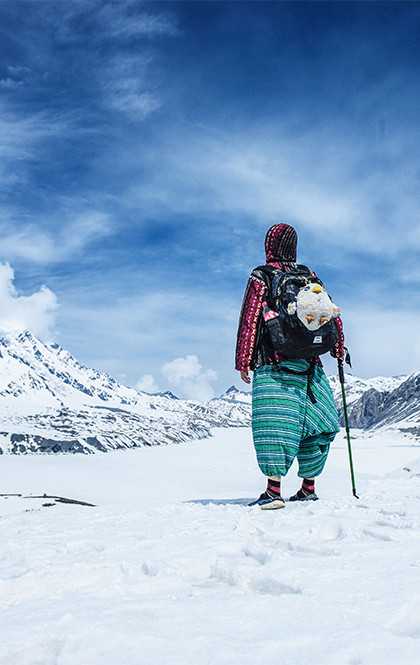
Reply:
x=308, y=486
x=273, y=487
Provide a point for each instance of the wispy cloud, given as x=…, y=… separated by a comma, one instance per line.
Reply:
x=132, y=19
x=18, y=70
x=108, y=20
x=10, y=84
x=264, y=177
x=129, y=83
x=70, y=223
x=116, y=42
x=36, y=312
x=126, y=78
x=126, y=86
x=23, y=137
x=149, y=135
x=16, y=78
x=58, y=242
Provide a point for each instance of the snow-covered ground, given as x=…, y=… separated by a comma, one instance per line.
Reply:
x=172, y=567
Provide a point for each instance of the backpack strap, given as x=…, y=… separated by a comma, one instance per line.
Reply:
x=265, y=272
x=271, y=276
x=268, y=272
x=274, y=277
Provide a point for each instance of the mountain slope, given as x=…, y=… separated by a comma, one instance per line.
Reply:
x=396, y=409
x=233, y=394
x=49, y=402
x=357, y=387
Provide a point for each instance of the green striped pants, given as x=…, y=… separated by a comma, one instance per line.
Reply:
x=287, y=424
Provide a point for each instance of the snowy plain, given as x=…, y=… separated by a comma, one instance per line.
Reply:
x=171, y=566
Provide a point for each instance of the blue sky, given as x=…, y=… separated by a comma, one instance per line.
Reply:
x=146, y=147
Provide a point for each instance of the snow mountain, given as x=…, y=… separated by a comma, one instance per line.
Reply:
x=233, y=394
x=357, y=387
x=49, y=402
x=397, y=408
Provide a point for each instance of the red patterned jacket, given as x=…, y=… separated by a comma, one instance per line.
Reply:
x=249, y=351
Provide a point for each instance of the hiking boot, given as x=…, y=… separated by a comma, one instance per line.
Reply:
x=302, y=496
x=268, y=501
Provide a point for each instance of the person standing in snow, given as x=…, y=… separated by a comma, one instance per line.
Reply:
x=293, y=409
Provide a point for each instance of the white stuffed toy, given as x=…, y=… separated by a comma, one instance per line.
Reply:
x=313, y=306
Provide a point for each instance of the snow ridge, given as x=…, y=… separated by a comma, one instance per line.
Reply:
x=235, y=395
x=51, y=403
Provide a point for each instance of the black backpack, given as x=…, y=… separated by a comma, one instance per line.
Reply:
x=285, y=333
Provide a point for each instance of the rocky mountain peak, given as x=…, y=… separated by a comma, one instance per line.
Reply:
x=49, y=402
x=234, y=394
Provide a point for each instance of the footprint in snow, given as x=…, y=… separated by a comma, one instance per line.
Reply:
x=392, y=513
x=311, y=551
x=406, y=621
x=259, y=556
x=393, y=525
x=149, y=569
x=377, y=535
x=272, y=587
x=263, y=585
x=328, y=531
x=222, y=573
x=13, y=570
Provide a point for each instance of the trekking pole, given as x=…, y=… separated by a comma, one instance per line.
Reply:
x=346, y=422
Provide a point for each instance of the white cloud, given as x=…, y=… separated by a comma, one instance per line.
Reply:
x=23, y=139
x=36, y=312
x=18, y=70
x=382, y=341
x=147, y=383
x=188, y=375
x=266, y=177
x=126, y=86
x=10, y=84
x=84, y=229
x=117, y=22
x=200, y=173
x=112, y=20
x=68, y=238
x=127, y=97
x=146, y=325
x=21, y=136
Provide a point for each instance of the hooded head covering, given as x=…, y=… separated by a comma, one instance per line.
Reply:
x=281, y=243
